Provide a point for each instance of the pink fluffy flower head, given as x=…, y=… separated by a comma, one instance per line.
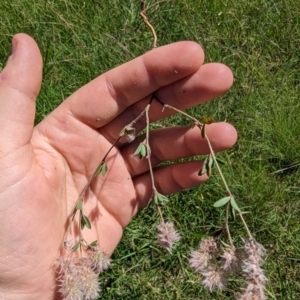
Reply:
x=255, y=278
x=200, y=259
x=230, y=259
x=213, y=279
x=76, y=279
x=167, y=235
x=100, y=261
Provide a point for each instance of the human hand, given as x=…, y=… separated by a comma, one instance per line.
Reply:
x=44, y=168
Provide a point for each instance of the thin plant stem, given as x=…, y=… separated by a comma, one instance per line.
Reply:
x=181, y=112
x=227, y=191
x=217, y=165
x=84, y=190
x=227, y=225
x=149, y=148
x=200, y=125
x=160, y=213
x=146, y=21
x=226, y=187
x=81, y=196
x=148, y=157
x=245, y=224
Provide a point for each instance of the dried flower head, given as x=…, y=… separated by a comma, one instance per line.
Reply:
x=70, y=288
x=230, y=259
x=252, y=269
x=76, y=278
x=99, y=260
x=89, y=283
x=254, y=250
x=208, y=245
x=213, y=278
x=200, y=259
x=167, y=235
x=130, y=137
x=129, y=133
x=253, y=292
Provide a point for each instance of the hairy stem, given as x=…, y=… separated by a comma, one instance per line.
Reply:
x=82, y=194
x=228, y=192
x=160, y=213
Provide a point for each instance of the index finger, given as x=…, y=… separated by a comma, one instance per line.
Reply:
x=104, y=98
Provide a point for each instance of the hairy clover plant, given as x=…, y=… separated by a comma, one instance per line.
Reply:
x=217, y=258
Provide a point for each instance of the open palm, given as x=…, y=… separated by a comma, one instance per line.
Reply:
x=44, y=168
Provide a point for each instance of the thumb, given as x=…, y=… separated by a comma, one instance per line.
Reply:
x=20, y=83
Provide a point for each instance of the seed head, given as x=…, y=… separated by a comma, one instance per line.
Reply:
x=230, y=259
x=76, y=278
x=167, y=235
x=254, y=289
x=99, y=260
x=213, y=278
x=199, y=261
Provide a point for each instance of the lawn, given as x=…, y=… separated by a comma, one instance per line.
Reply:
x=260, y=41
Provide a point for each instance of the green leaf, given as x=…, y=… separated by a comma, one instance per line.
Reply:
x=232, y=212
x=94, y=244
x=202, y=171
x=138, y=150
x=75, y=247
x=222, y=201
x=141, y=150
x=204, y=168
x=209, y=165
x=160, y=199
x=98, y=171
x=210, y=162
x=84, y=221
x=79, y=205
x=102, y=169
x=234, y=204
x=220, y=161
x=87, y=222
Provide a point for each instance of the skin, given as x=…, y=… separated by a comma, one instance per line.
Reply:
x=44, y=168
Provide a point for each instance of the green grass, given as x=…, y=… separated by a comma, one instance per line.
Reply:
x=260, y=41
